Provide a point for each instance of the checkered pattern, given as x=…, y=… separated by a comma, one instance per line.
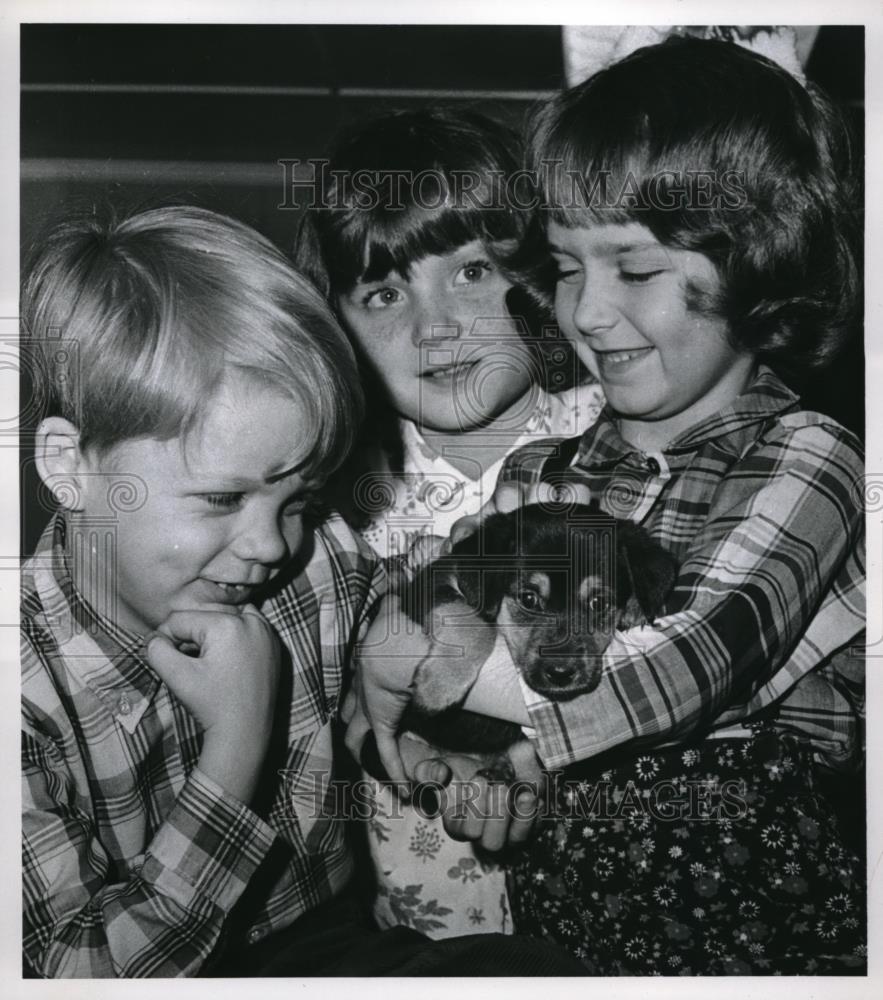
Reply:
x=135, y=863
x=762, y=506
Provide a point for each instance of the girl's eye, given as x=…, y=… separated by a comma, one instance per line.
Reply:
x=638, y=277
x=380, y=298
x=224, y=501
x=472, y=273
x=564, y=270
x=296, y=506
x=562, y=275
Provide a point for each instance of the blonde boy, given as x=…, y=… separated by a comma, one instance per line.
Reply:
x=179, y=814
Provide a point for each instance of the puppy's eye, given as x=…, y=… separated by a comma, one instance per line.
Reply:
x=529, y=600
x=599, y=605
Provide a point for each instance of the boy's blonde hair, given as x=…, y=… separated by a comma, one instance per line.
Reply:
x=138, y=322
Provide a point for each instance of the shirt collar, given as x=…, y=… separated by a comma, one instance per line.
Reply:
x=107, y=657
x=766, y=397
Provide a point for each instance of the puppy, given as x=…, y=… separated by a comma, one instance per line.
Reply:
x=558, y=581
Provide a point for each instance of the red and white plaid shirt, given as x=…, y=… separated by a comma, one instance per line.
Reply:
x=135, y=863
x=762, y=505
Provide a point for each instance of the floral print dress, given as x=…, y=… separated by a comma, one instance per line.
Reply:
x=718, y=858
x=424, y=879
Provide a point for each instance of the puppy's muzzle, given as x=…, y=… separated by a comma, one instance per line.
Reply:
x=563, y=667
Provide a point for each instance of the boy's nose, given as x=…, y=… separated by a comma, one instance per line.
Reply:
x=265, y=541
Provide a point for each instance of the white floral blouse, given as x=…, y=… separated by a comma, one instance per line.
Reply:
x=425, y=879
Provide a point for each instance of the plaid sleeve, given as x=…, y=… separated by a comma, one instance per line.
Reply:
x=763, y=571
x=85, y=918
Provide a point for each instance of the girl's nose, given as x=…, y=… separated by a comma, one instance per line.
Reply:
x=594, y=310
x=436, y=319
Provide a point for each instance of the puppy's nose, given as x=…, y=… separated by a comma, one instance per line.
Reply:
x=560, y=672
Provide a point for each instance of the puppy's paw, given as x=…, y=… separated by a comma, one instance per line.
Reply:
x=461, y=642
x=441, y=682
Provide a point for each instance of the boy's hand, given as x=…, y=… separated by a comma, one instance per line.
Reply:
x=229, y=687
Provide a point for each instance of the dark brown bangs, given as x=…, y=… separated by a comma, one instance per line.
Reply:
x=369, y=245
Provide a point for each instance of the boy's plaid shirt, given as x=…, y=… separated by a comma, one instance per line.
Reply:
x=133, y=860
x=762, y=505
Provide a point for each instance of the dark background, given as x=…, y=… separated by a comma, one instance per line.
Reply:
x=134, y=115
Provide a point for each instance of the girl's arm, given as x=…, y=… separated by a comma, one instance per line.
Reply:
x=771, y=587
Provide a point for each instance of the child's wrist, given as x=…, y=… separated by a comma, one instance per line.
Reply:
x=233, y=759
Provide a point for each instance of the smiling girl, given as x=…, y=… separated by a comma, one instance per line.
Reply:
x=691, y=830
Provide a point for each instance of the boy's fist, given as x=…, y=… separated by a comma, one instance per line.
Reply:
x=229, y=683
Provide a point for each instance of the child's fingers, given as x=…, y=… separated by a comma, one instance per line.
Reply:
x=495, y=830
x=464, y=527
x=246, y=609
x=563, y=493
x=164, y=657
x=424, y=549
x=349, y=706
x=185, y=626
x=507, y=497
x=357, y=729
x=388, y=752
x=523, y=808
x=469, y=812
x=433, y=771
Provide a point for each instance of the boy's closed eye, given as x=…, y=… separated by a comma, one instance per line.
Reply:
x=223, y=501
x=228, y=502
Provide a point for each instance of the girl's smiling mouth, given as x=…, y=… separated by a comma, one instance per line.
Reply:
x=451, y=371
x=612, y=363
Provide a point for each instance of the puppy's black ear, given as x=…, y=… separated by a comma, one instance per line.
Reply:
x=496, y=536
x=485, y=563
x=648, y=572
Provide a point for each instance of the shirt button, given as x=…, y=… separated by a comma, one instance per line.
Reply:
x=653, y=466
x=125, y=705
x=254, y=936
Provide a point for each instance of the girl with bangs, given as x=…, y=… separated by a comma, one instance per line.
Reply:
x=695, y=232
x=415, y=216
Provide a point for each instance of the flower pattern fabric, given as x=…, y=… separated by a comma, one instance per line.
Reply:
x=714, y=859
x=425, y=879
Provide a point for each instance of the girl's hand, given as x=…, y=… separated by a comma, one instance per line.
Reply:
x=424, y=550
x=492, y=814
x=506, y=497
x=509, y=496
x=388, y=656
